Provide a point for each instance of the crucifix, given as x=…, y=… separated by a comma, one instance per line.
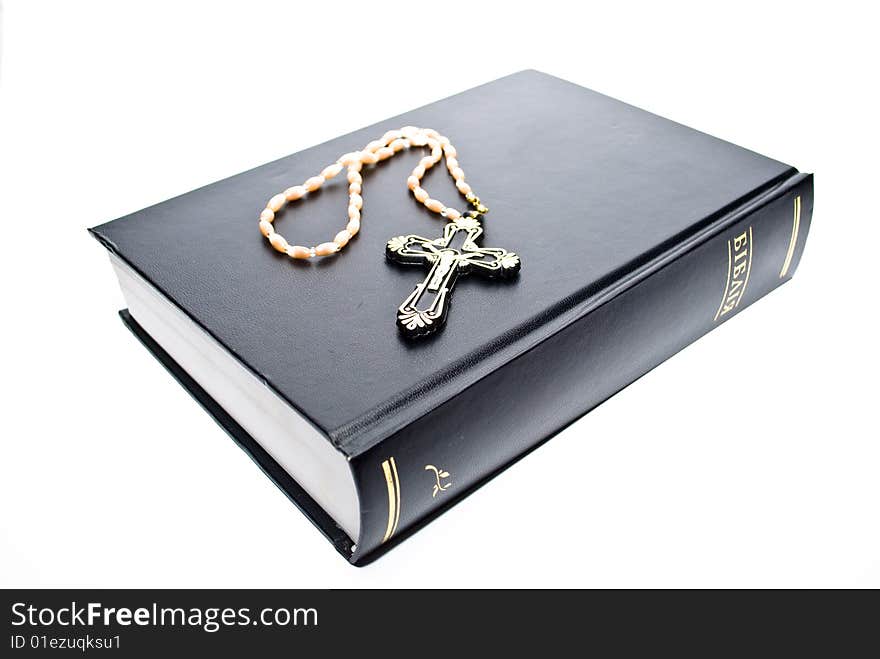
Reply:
x=455, y=253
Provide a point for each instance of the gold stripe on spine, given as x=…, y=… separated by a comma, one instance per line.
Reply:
x=392, y=482
x=748, y=269
x=792, y=243
x=397, y=491
x=727, y=283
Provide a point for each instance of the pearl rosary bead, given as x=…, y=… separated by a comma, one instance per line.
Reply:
x=390, y=143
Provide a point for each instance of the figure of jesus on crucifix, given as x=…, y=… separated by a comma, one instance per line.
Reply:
x=454, y=253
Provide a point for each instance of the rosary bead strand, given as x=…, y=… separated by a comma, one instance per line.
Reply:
x=390, y=143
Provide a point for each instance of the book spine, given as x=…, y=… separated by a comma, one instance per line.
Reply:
x=421, y=470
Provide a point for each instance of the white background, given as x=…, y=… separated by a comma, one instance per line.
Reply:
x=750, y=459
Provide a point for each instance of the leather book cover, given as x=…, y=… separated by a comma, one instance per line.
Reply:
x=637, y=235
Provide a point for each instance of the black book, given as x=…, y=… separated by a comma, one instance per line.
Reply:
x=636, y=236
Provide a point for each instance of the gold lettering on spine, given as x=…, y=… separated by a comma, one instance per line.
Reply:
x=792, y=243
x=392, y=482
x=739, y=267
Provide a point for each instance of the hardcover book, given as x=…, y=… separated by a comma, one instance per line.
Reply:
x=637, y=235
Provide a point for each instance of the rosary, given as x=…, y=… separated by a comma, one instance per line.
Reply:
x=455, y=253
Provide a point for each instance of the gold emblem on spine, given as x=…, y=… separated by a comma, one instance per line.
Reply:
x=739, y=267
x=792, y=243
x=439, y=475
x=389, y=468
